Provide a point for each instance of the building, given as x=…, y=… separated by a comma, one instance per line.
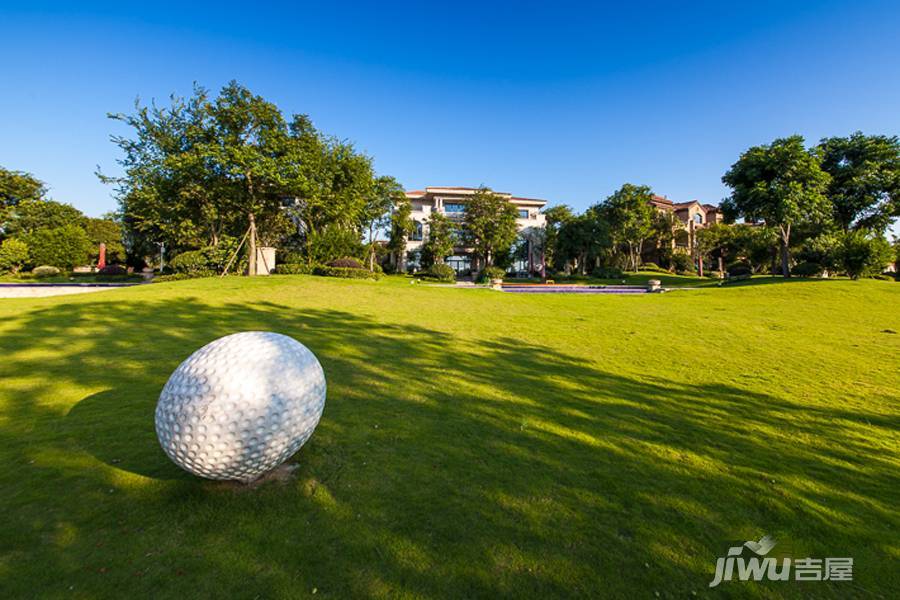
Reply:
x=692, y=217
x=451, y=201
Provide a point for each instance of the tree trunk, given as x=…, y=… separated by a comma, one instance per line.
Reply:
x=371, y=249
x=251, y=263
x=785, y=250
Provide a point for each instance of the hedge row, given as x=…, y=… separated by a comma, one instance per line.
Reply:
x=293, y=269
x=439, y=272
x=345, y=272
x=185, y=275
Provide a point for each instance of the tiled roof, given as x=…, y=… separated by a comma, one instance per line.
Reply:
x=538, y=200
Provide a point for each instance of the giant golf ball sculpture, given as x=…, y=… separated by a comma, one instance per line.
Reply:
x=241, y=405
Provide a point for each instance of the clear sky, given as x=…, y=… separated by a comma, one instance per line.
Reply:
x=557, y=100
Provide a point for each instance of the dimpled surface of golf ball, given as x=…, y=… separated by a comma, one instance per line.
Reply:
x=241, y=405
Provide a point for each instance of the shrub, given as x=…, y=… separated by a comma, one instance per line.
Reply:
x=64, y=247
x=113, y=270
x=440, y=272
x=604, y=273
x=682, y=263
x=293, y=269
x=862, y=255
x=738, y=270
x=649, y=266
x=332, y=243
x=45, y=271
x=347, y=262
x=191, y=261
x=344, y=272
x=823, y=250
x=489, y=273
x=182, y=276
x=808, y=269
x=13, y=255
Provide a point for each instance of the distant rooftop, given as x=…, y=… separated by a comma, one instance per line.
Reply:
x=467, y=191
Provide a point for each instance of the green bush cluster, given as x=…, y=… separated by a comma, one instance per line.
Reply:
x=439, y=272
x=183, y=276
x=45, y=271
x=682, y=263
x=649, y=266
x=191, y=262
x=293, y=269
x=808, y=269
x=738, y=270
x=13, y=255
x=489, y=273
x=64, y=247
x=113, y=270
x=346, y=262
x=345, y=272
x=607, y=273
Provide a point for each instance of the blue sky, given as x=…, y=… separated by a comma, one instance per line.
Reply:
x=558, y=100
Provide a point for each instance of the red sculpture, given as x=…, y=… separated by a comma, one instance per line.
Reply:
x=101, y=262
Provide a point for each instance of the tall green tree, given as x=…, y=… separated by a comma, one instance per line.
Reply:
x=402, y=226
x=865, y=180
x=715, y=241
x=376, y=213
x=489, y=225
x=206, y=167
x=441, y=239
x=630, y=217
x=556, y=217
x=781, y=184
x=582, y=239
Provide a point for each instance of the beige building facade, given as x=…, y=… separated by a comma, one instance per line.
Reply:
x=451, y=201
x=692, y=217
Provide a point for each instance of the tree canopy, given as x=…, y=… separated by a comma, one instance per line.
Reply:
x=18, y=186
x=780, y=184
x=31, y=215
x=865, y=180
x=441, y=239
x=489, y=225
x=203, y=167
x=630, y=218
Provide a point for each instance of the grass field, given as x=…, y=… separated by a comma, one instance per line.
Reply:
x=474, y=443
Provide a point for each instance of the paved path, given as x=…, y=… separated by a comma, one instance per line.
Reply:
x=39, y=290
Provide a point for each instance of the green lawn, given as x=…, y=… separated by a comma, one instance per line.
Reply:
x=474, y=443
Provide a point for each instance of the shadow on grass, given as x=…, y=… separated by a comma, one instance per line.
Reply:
x=441, y=467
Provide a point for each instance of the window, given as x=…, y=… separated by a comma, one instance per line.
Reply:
x=523, y=213
x=698, y=218
x=455, y=208
x=416, y=235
